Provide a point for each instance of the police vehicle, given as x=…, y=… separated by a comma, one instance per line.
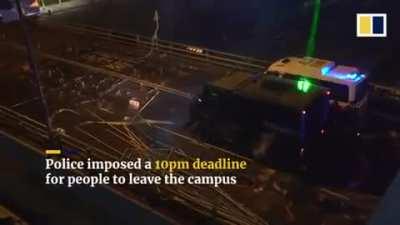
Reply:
x=253, y=115
x=346, y=85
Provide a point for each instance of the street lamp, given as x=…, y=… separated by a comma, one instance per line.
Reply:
x=34, y=70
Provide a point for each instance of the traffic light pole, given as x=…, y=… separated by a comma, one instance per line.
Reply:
x=35, y=72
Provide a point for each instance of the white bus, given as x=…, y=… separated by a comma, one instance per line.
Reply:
x=346, y=85
x=9, y=13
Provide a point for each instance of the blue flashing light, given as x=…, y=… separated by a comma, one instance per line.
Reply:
x=350, y=76
x=325, y=70
x=359, y=78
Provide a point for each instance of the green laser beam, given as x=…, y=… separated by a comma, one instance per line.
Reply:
x=314, y=29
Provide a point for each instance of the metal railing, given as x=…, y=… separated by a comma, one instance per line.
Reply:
x=45, y=3
x=192, y=52
x=382, y=90
x=201, y=199
x=38, y=134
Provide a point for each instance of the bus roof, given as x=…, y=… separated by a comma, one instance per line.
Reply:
x=318, y=69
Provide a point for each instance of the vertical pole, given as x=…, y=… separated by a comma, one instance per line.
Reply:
x=34, y=70
x=303, y=131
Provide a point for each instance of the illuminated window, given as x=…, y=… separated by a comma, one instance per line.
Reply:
x=304, y=85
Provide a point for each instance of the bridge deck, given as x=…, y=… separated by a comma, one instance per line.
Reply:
x=88, y=80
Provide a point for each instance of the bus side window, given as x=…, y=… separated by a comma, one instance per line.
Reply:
x=273, y=73
x=290, y=77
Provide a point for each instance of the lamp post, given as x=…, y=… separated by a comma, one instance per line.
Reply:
x=34, y=71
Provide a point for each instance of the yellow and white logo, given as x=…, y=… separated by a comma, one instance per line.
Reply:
x=371, y=25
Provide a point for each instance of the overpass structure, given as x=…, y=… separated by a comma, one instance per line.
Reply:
x=224, y=59
x=86, y=72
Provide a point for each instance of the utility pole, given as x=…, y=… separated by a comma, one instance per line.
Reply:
x=35, y=72
x=156, y=19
